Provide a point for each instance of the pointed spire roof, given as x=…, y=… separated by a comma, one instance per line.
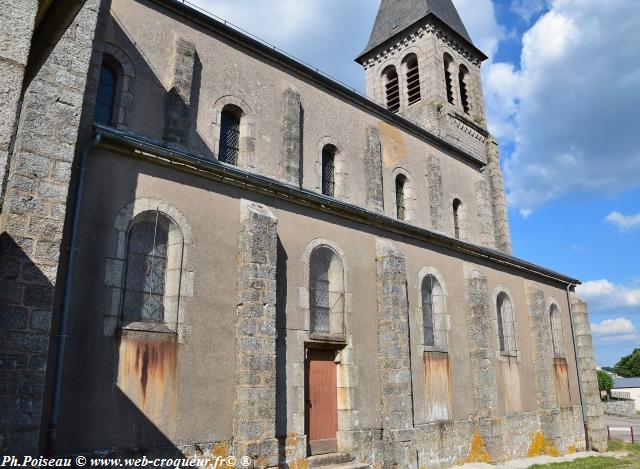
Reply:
x=394, y=16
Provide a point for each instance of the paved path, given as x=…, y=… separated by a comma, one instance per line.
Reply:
x=525, y=463
x=619, y=427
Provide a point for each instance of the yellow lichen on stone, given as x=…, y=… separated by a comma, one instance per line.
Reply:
x=540, y=446
x=299, y=464
x=478, y=451
x=571, y=449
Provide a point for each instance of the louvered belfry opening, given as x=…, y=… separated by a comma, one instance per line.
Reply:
x=413, y=80
x=230, y=135
x=447, y=77
x=392, y=89
x=328, y=170
x=401, y=181
x=464, y=93
x=326, y=293
x=146, y=266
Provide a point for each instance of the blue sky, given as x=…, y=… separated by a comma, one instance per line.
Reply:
x=562, y=89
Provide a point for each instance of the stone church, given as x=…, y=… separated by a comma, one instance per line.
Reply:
x=209, y=248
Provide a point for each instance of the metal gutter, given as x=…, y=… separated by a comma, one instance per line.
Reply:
x=139, y=147
x=272, y=53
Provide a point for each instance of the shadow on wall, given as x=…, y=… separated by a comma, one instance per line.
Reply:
x=281, y=352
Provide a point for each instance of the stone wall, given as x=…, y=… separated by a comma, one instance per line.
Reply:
x=178, y=114
x=291, y=137
x=596, y=434
x=16, y=27
x=499, y=201
x=55, y=116
x=620, y=407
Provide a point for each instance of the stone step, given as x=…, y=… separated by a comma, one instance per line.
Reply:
x=330, y=459
x=348, y=465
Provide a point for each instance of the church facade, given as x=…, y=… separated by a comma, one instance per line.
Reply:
x=211, y=249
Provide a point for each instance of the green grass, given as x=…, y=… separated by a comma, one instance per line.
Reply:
x=629, y=462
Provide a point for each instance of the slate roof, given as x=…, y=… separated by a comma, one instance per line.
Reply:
x=396, y=15
x=624, y=383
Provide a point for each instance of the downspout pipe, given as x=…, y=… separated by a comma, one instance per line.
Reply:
x=570, y=288
x=54, y=420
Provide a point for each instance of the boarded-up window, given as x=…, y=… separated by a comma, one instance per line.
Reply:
x=464, y=89
x=329, y=170
x=401, y=182
x=413, y=80
x=556, y=331
x=230, y=136
x=105, y=98
x=392, y=89
x=506, y=325
x=326, y=292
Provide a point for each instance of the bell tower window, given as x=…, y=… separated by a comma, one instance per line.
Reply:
x=464, y=92
x=392, y=89
x=448, y=80
x=413, y=79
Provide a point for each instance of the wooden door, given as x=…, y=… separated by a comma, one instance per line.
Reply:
x=322, y=401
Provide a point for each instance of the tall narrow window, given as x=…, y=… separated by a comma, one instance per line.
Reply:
x=506, y=325
x=457, y=204
x=230, y=135
x=464, y=92
x=401, y=182
x=146, y=268
x=392, y=89
x=448, y=80
x=326, y=292
x=329, y=170
x=105, y=99
x=413, y=80
x=556, y=331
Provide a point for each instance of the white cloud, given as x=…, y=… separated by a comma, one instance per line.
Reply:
x=570, y=107
x=480, y=20
x=614, y=331
x=624, y=222
x=613, y=327
x=527, y=9
x=602, y=295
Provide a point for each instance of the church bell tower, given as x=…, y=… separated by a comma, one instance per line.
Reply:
x=421, y=63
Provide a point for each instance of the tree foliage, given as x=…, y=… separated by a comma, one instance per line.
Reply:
x=605, y=381
x=629, y=366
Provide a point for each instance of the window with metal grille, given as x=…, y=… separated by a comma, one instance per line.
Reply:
x=413, y=80
x=506, y=325
x=105, y=98
x=146, y=266
x=326, y=292
x=464, y=94
x=229, y=137
x=433, y=313
x=328, y=170
x=448, y=80
x=401, y=181
x=457, y=204
x=392, y=89
x=556, y=331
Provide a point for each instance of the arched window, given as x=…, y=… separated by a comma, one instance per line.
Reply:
x=448, y=60
x=230, y=134
x=106, y=96
x=457, y=209
x=329, y=170
x=392, y=89
x=401, y=181
x=326, y=292
x=433, y=313
x=464, y=92
x=556, y=331
x=506, y=325
x=413, y=79
x=153, y=270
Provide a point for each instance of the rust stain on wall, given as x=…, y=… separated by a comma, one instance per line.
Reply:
x=437, y=387
x=561, y=372
x=541, y=446
x=147, y=376
x=478, y=451
x=394, y=148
